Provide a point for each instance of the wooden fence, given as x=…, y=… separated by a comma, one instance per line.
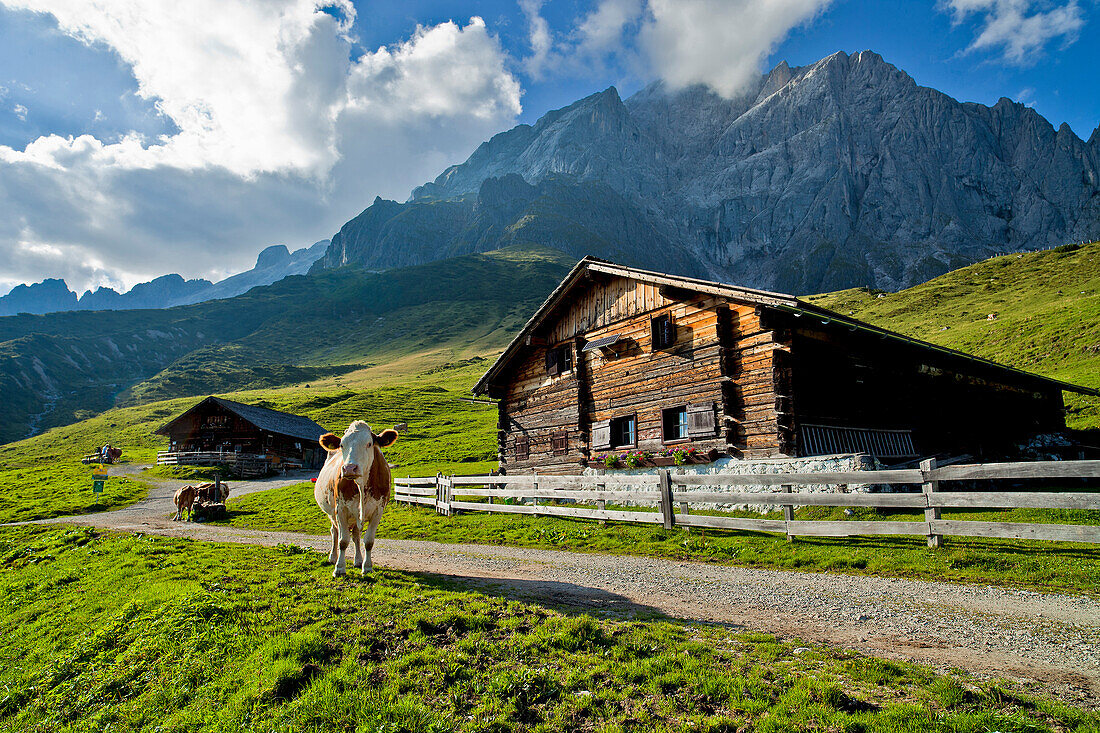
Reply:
x=243, y=464
x=670, y=491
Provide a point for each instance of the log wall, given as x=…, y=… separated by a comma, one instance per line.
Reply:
x=722, y=357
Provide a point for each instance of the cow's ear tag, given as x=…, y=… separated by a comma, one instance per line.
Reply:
x=330, y=442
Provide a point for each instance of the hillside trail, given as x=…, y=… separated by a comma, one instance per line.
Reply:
x=1048, y=642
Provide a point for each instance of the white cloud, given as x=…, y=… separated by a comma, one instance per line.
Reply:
x=20, y=112
x=538, y=36
x=281, y=136
x=1018, y=30
x=597, y=37
x=719, y=43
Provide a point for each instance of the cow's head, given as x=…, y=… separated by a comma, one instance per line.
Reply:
x=356, y=448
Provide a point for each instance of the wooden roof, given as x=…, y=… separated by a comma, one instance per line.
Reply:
x=749, y=296
x=273, y=421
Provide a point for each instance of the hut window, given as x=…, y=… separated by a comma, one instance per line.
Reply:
x=523, y=448
x=674, y=424
x=559, y=360
x=663, y=332
x=560, y=442
x=624, y=432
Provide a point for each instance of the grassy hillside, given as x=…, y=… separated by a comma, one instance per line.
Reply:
x=125, y=632
x=342, y=328
x=1046, y=307
x=41, y=477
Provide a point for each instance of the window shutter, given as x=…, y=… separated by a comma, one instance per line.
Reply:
x=553, y=365
x=701, y=421
x=601, y=435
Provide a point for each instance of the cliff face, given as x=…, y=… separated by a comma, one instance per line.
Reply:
x=821, y=177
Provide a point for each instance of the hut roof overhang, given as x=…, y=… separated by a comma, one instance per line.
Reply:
x=273, y=421
x=588, y=266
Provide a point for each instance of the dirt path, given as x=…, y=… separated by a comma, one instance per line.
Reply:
x=1049, y=640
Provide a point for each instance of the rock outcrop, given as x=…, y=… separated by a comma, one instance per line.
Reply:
x=838, y=174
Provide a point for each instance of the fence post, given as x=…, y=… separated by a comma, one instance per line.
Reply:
x=667, y=512
x=929, y=487
x=492, y=487
x=684, y=511
x=601, y=504
x=450, y=489
x=535, y=499
x=788, y=512
x=438, y=493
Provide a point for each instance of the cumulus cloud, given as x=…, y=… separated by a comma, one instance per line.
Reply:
x=281, y=135
x=539, y=37
x=1018, y=30
x=598, y=36
x=719, y=43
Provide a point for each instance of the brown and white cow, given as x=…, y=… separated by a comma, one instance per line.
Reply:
x=184, y=499
x=352, y=489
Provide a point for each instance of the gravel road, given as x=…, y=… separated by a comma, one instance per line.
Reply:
x=1050, y=641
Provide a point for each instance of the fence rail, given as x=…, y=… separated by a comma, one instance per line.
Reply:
x=668, y=492
x=245, y=464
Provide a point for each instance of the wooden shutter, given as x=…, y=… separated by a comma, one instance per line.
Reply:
x=701, y=421
x=601, y=435
x=560, y=443
x=553, y=364
x=523, y=448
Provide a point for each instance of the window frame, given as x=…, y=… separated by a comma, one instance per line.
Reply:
x=686, y=437
x=655, y=331
x=565, y=356
x=616, y=422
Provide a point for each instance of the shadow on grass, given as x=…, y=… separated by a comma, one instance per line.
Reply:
x=567, y=598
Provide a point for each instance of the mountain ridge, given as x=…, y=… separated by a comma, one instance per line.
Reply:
x=52, y=295
x=837, y=174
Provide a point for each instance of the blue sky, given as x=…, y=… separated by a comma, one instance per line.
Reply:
x=145, y=138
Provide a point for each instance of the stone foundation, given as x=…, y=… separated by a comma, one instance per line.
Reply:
x=739, y=467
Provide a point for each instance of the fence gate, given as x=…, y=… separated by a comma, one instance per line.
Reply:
x=444, y=489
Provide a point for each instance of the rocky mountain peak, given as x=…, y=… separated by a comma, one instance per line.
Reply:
x=840, y=173
x=272, y=256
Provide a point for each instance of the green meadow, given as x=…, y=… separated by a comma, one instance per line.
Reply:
x=109, y=632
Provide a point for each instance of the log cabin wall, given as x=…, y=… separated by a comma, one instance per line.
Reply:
x=715, y=347
x=756, y=388
x=855, y=379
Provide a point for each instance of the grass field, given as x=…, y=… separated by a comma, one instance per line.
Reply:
x=1045, y=566
x=42, y=476
x=121, y=632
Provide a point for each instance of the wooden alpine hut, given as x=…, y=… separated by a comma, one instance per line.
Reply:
x=621, y=359
x=217, y=430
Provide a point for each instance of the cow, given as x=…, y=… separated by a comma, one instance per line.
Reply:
x=184, y=499
x=352, y=489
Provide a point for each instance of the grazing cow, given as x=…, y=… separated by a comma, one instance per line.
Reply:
x=207, y=493
x=352, y=489
x=184, y=499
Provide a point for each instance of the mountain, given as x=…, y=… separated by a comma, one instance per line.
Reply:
x=328, y=327
x=273, y=264
x=52, y=295
x=157, y=293
x=838, y=174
